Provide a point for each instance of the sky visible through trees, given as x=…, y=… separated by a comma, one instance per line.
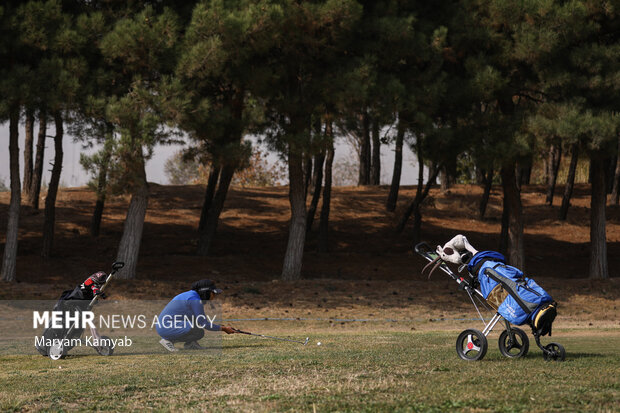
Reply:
x=74, y=175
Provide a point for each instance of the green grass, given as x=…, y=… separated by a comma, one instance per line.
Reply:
x=351, y=371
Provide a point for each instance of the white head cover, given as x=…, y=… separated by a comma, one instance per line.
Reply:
x=453, y=249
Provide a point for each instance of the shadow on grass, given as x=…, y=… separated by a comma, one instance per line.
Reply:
x=254, y=346
x=572, y=356
x=205, y=352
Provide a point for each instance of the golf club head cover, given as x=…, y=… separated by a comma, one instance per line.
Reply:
x=94, y=282
x=453, y=250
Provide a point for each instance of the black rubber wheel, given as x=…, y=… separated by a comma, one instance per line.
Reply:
x=555, y=352
x=471, y=345
x=514, y=345
x=105, y=350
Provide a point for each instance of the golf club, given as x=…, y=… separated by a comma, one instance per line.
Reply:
x=275, y=338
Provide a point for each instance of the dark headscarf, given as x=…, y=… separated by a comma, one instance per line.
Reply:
x=204, y=288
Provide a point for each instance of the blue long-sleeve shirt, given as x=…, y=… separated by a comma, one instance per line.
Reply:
x=181, y=314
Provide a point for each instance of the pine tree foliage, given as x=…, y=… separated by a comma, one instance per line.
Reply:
x=472, y=87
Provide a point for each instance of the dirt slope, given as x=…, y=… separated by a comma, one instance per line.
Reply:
x=370, y=272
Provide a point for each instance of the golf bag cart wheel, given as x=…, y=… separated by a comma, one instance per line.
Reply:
x=555, y=352
x=105, y=350
x=514, y=345
x=57, y=352
x=471, y=345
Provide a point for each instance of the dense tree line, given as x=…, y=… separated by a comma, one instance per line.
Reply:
x=496, y=83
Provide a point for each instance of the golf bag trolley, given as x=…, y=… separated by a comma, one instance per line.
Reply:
x=472, y=344
x=60, y=337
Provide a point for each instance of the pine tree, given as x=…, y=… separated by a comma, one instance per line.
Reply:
x=100, y=166
x=580, y=76
x=13, y=78
x=327, y=188
x=49, y=30
x=89, y=122
x=222, y=63
x=570, y=125
x=398, y=164
x=9, y=261
x=506, y=44
x=37, y=172
x=28, y=154
x=310, y=54
x=140, y=49
x=435, y=98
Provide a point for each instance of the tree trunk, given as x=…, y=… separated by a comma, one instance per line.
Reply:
x=545, y=160
x=37, y=175
x=512, y=196
x=364, y=172
x=307, y=164
x=421, y=193
x=524, y=172
x=484, y=201
x=208, y=233
x=52, y=190
x=214, y=176
x=570, y=181
x=443, y=179
x=102, y=180
x=375, y=167
x=555, y=156
x=511, y=193
x=318, y=140
x=417, y=225
x=481, y=176
x=327, y=192
x=28, y=167
x=129, y=247
x=598, y=238
x=414, y=207
x=95, y=222
x=610, y=171
x=398, y=167
x=318, y=182
x=419, y=198
x=615, y=191
x=9, y=260
x=503, y=236
x=214, y=203
x=518, y=178
x=291, y=269
x=527, y=176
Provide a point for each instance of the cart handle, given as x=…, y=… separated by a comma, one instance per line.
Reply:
x=115, y=267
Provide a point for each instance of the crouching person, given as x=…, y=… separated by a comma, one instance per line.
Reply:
x=183, y=320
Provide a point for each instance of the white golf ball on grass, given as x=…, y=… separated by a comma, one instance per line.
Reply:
x=318, y=343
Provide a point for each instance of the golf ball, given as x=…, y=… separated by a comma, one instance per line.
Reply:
x=318, y=343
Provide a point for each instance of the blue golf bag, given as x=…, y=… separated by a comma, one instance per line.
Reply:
x=512, y=297
x=517, y=298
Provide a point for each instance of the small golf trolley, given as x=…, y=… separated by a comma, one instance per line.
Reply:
x=472, y=344
x=60, y=336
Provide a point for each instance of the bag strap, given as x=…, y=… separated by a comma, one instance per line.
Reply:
x=508, y=284
x=479, y=264
x=520, y=281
